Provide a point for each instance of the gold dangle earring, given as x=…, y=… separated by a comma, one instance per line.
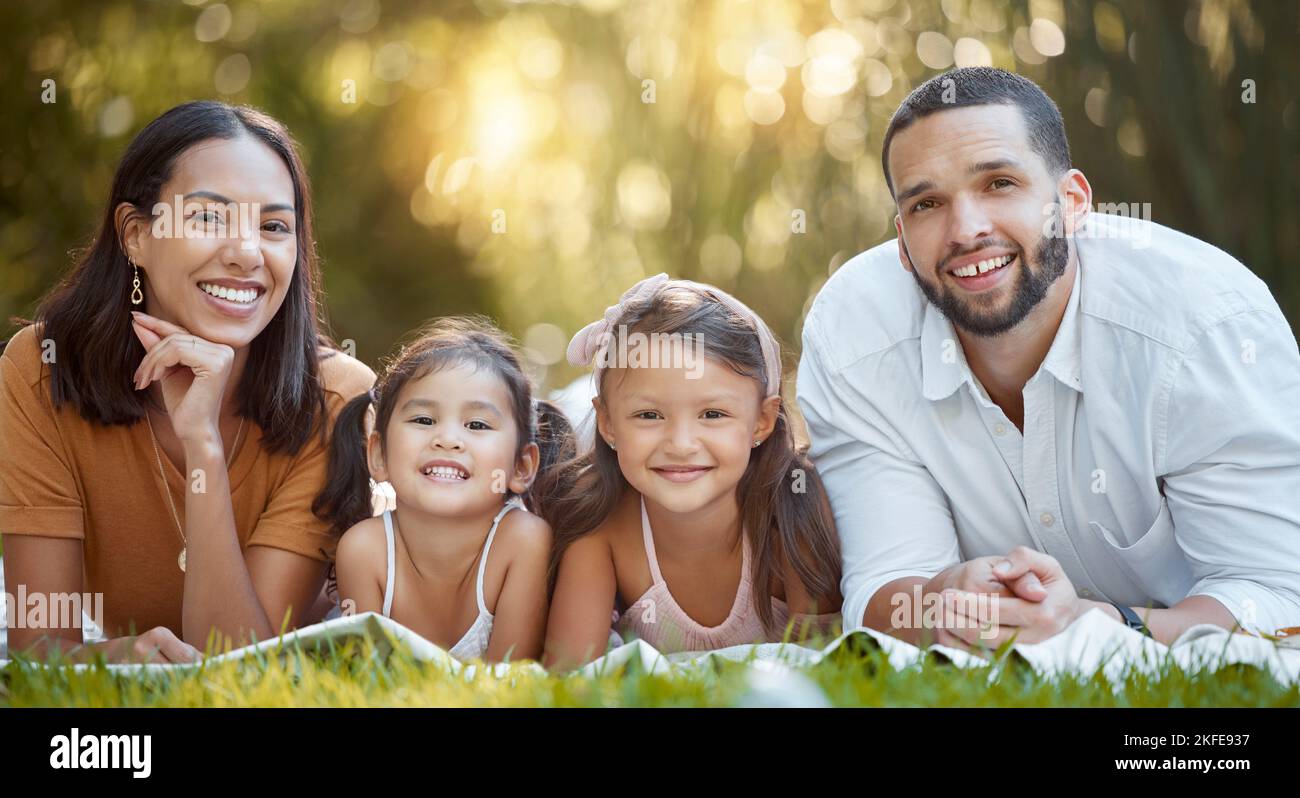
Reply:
x=137, y=296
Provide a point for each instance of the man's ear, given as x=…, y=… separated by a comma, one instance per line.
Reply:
x=132, y=228
x=767, y=415
x=902, y=247
x=375, y=458
x=526, y=465
x=1076, y=199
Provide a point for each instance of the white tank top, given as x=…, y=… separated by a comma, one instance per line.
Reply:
x=474, y=643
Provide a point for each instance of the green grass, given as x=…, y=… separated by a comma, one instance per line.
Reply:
x=357, y=674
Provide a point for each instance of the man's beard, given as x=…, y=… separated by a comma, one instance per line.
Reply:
x=1052, y=255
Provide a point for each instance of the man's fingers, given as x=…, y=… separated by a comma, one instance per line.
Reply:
x=1029, y=587
x=1022, y=560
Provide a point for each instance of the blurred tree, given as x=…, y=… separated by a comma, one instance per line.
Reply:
x=532, y=160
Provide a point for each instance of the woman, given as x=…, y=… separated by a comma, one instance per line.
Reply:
x=163, y=422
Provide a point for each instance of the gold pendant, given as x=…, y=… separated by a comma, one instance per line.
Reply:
x=181, y=560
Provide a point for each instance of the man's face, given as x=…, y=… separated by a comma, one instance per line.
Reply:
x=971, y=195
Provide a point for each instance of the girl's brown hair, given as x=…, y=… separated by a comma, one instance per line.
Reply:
x=778, y=518
x=450, y=341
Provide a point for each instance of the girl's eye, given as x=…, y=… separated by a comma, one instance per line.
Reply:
x=478, y=425
x=425, y=420
x=714, y=414
x=210, y=217
x=648, y=415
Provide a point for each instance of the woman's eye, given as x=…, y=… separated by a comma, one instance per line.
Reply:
x=276, y=226
x=209, y=217
x=478, y=425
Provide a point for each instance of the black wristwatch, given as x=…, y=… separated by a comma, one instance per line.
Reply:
x=1131, y=619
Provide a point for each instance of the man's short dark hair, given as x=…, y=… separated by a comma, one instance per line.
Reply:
x=967, y=86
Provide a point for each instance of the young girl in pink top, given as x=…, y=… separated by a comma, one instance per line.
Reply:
x=694, y=522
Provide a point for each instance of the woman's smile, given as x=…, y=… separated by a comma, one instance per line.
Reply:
x=238, y=299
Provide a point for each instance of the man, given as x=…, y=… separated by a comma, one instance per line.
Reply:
x=1056, y=411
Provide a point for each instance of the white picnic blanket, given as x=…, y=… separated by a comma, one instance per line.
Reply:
x=1094, y=642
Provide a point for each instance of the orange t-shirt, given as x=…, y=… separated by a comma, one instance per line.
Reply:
x=63, y=476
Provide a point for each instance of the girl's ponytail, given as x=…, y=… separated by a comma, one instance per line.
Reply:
x=557, y=445
x=345, y=499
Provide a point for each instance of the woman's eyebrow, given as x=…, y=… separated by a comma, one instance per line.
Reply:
x=274, y=207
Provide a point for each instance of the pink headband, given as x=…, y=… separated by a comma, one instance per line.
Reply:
x=586, y=346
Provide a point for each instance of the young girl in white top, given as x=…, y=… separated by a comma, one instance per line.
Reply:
x=462, y=561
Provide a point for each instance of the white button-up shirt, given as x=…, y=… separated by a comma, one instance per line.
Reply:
x=1161, y=449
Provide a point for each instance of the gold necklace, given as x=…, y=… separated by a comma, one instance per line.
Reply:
x=180, y=560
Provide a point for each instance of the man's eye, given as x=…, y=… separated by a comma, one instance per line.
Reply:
x=1002, y=182
x=478, y=425
x=922, y=205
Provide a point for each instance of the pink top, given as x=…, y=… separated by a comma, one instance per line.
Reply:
x=657, y=619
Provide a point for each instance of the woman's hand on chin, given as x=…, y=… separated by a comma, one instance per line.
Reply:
x=192, y=372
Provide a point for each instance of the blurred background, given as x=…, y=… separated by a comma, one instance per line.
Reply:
x=531, y=160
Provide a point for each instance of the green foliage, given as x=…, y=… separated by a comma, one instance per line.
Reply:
x=504, y=158
x=357, y=674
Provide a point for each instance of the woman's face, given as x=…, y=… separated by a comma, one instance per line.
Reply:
x=218, y=255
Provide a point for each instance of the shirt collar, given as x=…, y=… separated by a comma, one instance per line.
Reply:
x=1063, y=359
x=943, y=363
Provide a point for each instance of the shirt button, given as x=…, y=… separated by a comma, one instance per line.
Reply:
x=999, y=429
x=1047, y=519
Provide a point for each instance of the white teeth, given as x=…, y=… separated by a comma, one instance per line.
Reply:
x=983, y=266
x=445, y=472
x=229, y=294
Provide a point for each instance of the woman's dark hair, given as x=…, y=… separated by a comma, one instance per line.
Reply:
x=783, y=504
x=88, y=314
x=445, y=343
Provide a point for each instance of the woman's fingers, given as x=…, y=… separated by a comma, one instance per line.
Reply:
x=160, y=327
x=160, y=644
x=182, y=350
x=148, y=338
